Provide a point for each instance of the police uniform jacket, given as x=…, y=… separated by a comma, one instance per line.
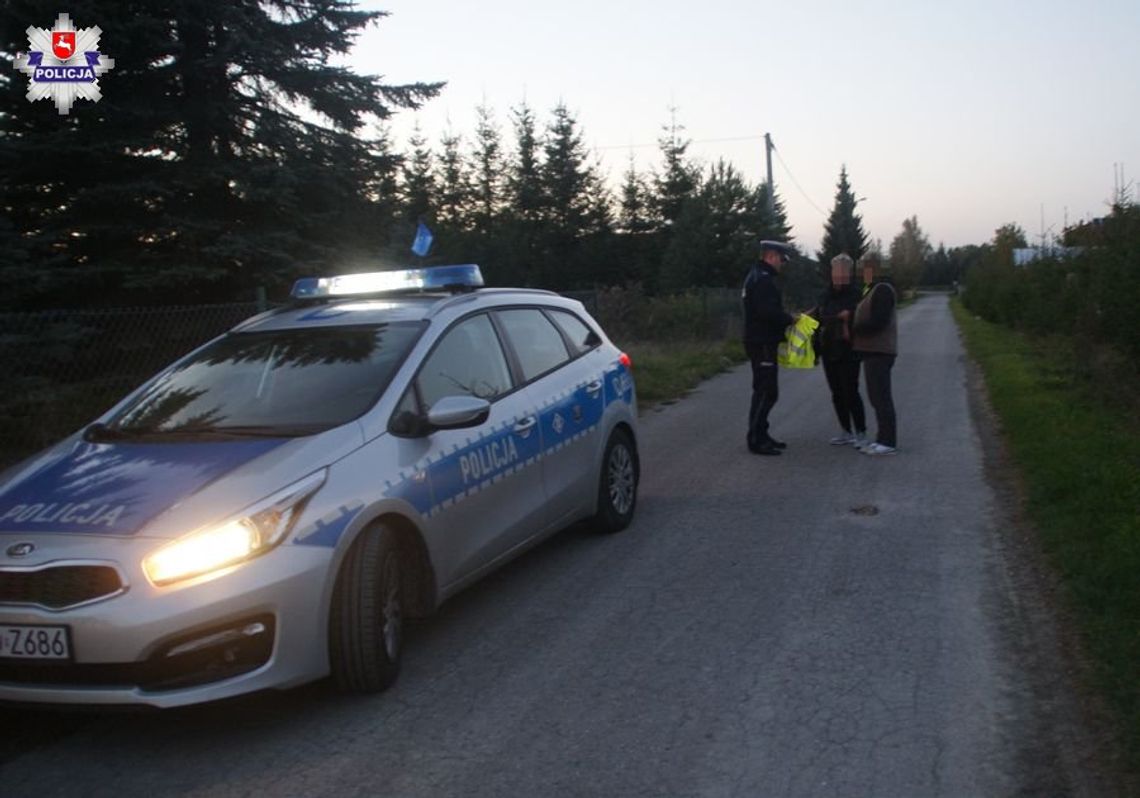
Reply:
x=765, y=319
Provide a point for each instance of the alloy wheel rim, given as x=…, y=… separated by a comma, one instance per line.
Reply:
x=621, y=480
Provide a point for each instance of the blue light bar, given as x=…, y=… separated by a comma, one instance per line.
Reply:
x=435, y=278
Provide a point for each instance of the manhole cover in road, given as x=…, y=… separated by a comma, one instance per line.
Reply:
x=865, y=509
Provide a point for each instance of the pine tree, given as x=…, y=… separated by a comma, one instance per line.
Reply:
x=228, y=150
x=763, y=225
x=487, y=171
x=635, y=209
x=728, y=199
x=574, y=199
x=844, y=229
x=522, y=216
x=418, y=186
x=680, y=179
x=524, y=181
x=453, y=207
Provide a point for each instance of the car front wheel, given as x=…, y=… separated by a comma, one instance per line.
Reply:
x=366, y=629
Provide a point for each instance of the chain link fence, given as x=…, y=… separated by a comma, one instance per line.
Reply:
x=64, y=368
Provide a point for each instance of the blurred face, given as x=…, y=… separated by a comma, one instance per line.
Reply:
x=868, y=272
x=840, y=274
x=773, y=259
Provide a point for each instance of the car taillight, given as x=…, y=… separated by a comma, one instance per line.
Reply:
x=626, y=361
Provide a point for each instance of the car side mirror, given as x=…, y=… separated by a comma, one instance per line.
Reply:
x=458, y=412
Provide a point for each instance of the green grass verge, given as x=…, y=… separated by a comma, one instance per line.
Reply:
x=1080, y=460
x=665, y=371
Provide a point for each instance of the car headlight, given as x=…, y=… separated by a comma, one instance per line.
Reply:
x=249, y=534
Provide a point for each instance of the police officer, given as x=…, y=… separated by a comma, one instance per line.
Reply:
x=765, y=321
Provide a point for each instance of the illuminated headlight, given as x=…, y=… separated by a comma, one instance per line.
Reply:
x=247, y=535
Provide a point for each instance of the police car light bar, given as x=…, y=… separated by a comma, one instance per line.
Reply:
x=437, y=278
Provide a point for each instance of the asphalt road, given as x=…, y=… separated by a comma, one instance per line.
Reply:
x=750, y=635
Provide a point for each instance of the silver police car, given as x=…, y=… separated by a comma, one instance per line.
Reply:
x=270, y=508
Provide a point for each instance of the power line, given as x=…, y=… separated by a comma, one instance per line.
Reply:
x=691, y=141
x=796, y=183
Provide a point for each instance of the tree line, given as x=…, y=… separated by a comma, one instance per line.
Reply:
x=230, y=152
x=1089, y=296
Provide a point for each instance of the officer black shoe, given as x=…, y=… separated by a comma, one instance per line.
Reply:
x=764, y=448
x=777, y=444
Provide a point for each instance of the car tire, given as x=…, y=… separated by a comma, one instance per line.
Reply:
x=617, y=484
x=366, y=627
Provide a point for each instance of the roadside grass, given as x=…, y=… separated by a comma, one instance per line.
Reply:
x=665, y=371
x=1079, y=456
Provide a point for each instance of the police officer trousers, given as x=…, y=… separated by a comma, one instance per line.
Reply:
x=765, y=390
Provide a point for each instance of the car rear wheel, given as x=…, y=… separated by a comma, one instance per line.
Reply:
x=366, y=629
x=617, y=484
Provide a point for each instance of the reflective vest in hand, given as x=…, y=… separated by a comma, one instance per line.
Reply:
x=795, y=351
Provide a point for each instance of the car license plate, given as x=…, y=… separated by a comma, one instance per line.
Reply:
x=34, y=642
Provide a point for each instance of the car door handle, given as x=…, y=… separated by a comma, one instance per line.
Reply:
x=594, y=387
x=526, y=425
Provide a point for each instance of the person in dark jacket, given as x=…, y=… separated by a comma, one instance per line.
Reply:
x=835, y=311
x=765, y=322
x=876, y=340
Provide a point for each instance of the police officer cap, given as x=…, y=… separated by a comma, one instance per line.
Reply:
x=777, y=246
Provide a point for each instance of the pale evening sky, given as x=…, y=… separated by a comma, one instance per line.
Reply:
x=968, y=114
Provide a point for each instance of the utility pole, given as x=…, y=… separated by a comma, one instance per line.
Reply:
x=771, y=186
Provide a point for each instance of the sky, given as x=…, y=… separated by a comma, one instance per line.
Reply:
x=968, y=115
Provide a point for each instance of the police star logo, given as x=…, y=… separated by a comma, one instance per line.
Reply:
x=64, y=64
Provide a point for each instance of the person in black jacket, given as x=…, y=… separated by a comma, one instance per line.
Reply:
x=875, y=330
x=835, y=312
x=765, y=322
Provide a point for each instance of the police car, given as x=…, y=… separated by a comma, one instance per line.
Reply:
x=270, y=508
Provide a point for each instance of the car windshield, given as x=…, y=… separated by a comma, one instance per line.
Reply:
x=285, y=382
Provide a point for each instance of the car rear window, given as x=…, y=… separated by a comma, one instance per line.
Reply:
x=537, y=343
x=582, y=338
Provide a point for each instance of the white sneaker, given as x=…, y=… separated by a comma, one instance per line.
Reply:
x=859, y=441
x=842, y=440
x=878, y=450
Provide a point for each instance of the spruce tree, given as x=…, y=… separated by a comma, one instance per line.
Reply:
x=453, y=206
x=635, y=210
x=487, y=172
x=636, y=225
x=843, y=231
x=523, y=216
x=574, y=200
x=679, y=179
x=418, y=186
x=768, y=224
x=228, y=150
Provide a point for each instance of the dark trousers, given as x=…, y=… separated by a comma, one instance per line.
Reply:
x=843, y=380
x=877, y=373
x=765, y=390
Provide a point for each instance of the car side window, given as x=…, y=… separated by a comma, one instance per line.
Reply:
x=468, y=361
x=537, y=343
x=582, y=338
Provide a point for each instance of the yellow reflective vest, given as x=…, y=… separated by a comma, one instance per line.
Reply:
x=796, y=351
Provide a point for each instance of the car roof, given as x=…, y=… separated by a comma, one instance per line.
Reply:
x=358, y=311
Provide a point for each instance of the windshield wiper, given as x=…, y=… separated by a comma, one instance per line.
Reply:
x=101, y=432
x=255, y=430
